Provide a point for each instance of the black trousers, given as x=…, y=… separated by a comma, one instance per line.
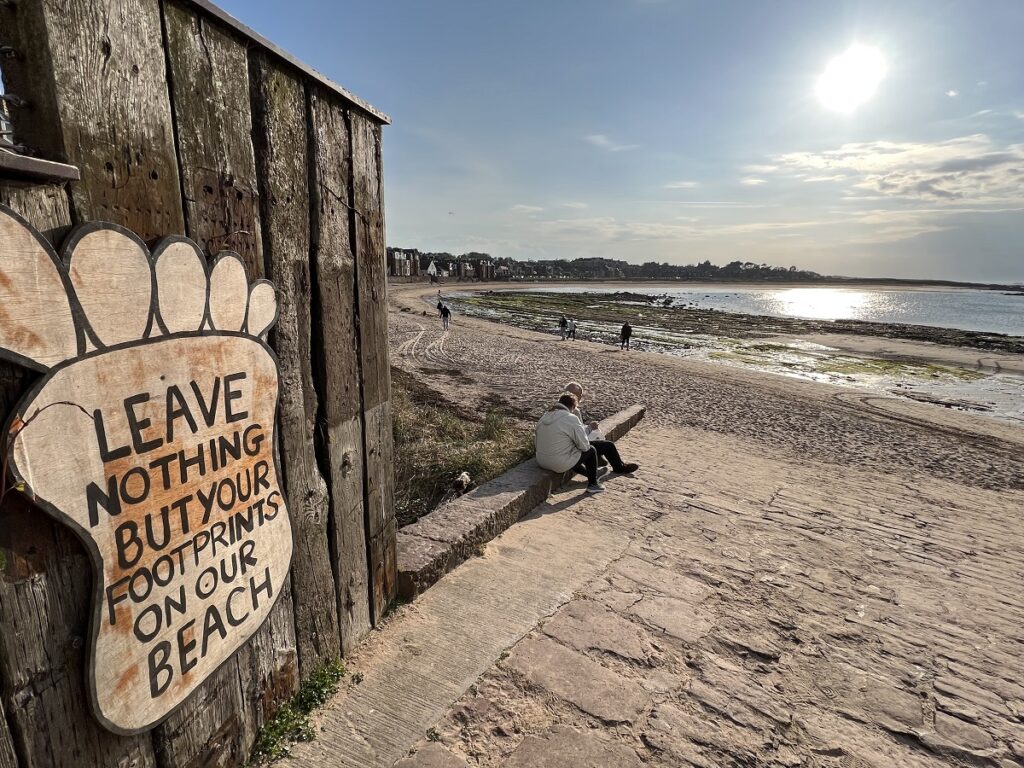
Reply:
x=588, y=459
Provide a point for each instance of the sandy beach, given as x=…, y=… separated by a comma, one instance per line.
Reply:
x=798, y=575
x=479, y=360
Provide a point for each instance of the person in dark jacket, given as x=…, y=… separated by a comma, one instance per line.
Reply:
x=446, y=316
x=624, y=335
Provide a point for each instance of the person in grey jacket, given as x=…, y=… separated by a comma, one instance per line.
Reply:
x=562, y=444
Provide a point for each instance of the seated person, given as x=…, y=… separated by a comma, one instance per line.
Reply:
x=592, y=428
x=562, y=444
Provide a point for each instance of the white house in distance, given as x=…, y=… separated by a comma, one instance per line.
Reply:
x=431, y=269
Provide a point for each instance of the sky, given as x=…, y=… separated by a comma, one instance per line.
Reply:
x=680, y=131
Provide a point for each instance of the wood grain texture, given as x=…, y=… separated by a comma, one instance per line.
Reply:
x=367, y=184
x=7, y=757
x=113, y=112
x=281, y=132
x=209, y=75
x=29, y=75
x=44, y=598
x=31, y=276
x=380, y=505
x=211, y=97
x=338, y=357
x=112, y=279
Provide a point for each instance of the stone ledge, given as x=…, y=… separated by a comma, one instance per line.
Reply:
x=437, y=543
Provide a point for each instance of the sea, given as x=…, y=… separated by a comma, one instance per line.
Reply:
x=987, y=311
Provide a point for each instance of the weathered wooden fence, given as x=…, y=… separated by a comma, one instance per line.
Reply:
x=181, y=120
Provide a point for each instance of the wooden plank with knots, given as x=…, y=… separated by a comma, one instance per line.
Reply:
x=279, y=106
x=373, y=345
x=341, y=427
x=113, y=111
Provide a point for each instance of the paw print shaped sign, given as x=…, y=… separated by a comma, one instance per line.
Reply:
x=151, y=434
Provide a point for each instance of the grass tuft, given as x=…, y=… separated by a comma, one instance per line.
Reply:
x=292, y=721
x=436, y=441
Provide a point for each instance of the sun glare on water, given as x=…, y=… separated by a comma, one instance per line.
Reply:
x=821, y=303
x=851, y=78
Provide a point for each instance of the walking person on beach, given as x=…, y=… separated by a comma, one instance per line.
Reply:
x=572, y=330
x=561, y=444
x=563, y=325
x=446, y=316
x=440, y=305
x=624, y=334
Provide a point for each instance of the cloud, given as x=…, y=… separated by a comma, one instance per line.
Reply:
x=601, y=141
x=520, y=208
x=835, y=177
x=952, y=93
x=970, y=168
x=682, y=185
x=751, y=181
x=755, y=168
x=725, y=204
x=1019, y=114
x=575, y=206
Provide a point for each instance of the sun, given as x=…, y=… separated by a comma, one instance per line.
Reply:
x=851, y=78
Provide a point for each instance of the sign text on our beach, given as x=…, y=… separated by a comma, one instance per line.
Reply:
x=152, y=436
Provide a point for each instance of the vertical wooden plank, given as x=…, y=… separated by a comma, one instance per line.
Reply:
x=210, y=86
x=338, y=358
x=209, y=75
x=373, y=344
x=113, y=111
x=45, y=590
x=7, y=757
x=279, y=106
x=28, y=74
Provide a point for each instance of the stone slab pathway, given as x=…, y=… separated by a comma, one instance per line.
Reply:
x=726, y=606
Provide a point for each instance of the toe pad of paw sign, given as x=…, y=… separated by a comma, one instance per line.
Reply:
x=151, y=434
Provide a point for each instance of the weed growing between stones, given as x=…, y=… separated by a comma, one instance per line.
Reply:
x=292, y=721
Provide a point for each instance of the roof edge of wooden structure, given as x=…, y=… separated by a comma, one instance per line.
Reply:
x=207, y=7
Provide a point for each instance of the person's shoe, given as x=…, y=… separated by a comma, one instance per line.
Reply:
x=595, y=488
x=627, y=469
x=602, y=471
x=603, y=462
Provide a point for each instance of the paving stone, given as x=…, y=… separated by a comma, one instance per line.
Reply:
x=894, y=706
x=586, y=625
x=431, y=756
x=661, y=579
x=962, y=733
x=564, y=747
x=593, y=688
x=676, y=732
x=678, y=618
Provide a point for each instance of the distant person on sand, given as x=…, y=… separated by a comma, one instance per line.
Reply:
x=563, y=325
x=624, y=334
x=572, y=330
x=446, y=316
x=440, y=305
x=562, y=445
